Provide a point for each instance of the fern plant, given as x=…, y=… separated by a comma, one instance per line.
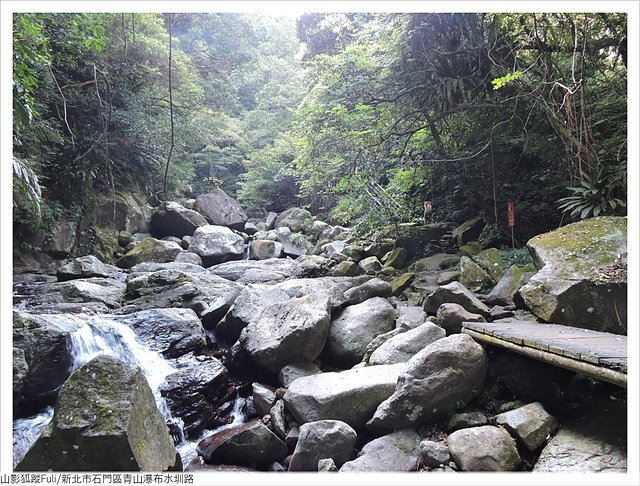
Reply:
x=594, y=196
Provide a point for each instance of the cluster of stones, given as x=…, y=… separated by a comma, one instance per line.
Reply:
x=368, y=346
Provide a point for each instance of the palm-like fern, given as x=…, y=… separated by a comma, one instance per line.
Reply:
x=594, y=196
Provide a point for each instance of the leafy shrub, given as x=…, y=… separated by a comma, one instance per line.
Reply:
x=595, y=196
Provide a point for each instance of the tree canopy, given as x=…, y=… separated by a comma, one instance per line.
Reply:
x=357, y=116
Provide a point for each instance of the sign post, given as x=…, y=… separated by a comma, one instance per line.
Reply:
x=511, y=219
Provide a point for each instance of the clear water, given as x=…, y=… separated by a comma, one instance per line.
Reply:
x=90, y=337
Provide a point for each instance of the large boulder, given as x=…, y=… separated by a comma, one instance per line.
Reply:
x=85, y=267
x=531, y=425
x=401, y=348
x=473, y=276
x=63, y=239
x=468, y=231
x=251, y=444
x=173, y=219
x=262, y=271
x=414, y=238
x=294, y=244
x=506, y=288
x=20, y=371
x=105, y=420
x=150, y=250
x=131, y=212
x=172, y=332
x=398, y=451
x=287, y=332
x=323, y=439
x=247, y=307
x=350, y=396
x=491, y=262
x=216, y=244
x=296, y=219
x=221, y=209
x=455, y=293
x=355, y=327
x=151, y=267
x=263, y=249
x=371, y=288
x=109, y=291
x=595, y=440
x=208, y=295
x=485, y=448
x=446, y=373
x=197, y=395
x=570, y=287
x=46, y=345
x=290, y=373
x=451, y=316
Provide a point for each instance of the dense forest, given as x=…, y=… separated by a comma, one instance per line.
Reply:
x=357, y=117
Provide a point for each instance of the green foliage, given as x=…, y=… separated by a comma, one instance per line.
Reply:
x=504, y=80
x=515, y=256
x=595, y=196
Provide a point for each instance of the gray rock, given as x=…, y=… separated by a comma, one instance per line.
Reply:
x=567, y=289
x=447, y=277
x=410, y=316
x=434, y=454
x=296, y=219
x=350, y=396
x=531, y=425
x=451, y=316
x=398, y=451
x=473, y=276
x=506, y=288
x=105, y=420
x=220, y=209
x=278, y=420
x=288, y=332
x=109, y=291
x=150, y=267
x=323, y=439
x=45, y=342
x=313, y=264
x=468, y=231
x=378, y=341
x=263, y=249
x=371, y=288
x=262, y=271
x=449, y=371
x=196, y=394
x=85, y=267
x=346, y=269
x=124, y=238
x=62, y=240
x=190, y=258
x=264, y=398
x=270, y=221
x=327, y=465
x=250, y=444
x=333, y=287
x=216, y=244
x=291, y=372
x=173, y=219
x=401, y=348
x=455, y=293
x=333, y=247
x=465, y=420
x=250, y=228
x=370, y=265
x=201, y=292
x=594, y=441
x=172, y=332
x=295, y=244
x=292, y=438
x=355, y=327
x=485, y=448
x=247, y=307
x=150, y=250
x=20, y=372
x=186, y=241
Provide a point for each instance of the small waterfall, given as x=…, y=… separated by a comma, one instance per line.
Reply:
x=187, y=449
x=90, y=337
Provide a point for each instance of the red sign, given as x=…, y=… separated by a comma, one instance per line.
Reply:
x=511, y=214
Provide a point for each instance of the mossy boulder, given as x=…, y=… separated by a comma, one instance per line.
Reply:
x=298, y=220
x=492, y=262
x=401, y=283
x=473, y=276
x=105, y=419
x=568, y=288
x=506, y=288
x=415, y=238
x=150, y=250
x=395, y=258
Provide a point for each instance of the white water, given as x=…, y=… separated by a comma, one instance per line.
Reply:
x=187, y=449
x=92, y=336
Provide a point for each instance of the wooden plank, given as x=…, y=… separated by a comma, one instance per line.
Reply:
x=605, y=374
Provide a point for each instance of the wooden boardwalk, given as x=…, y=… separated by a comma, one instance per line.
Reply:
x=600, y=355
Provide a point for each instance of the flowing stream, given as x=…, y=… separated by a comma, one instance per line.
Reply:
x=95, y=335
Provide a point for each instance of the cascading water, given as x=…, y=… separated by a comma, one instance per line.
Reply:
x=90, y=337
